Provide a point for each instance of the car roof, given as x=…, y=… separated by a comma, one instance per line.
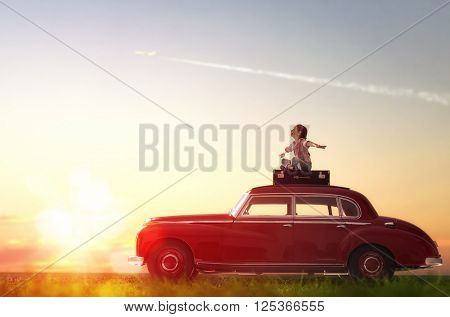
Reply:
x=318, y=189
x=293, y=187
x=304, y=188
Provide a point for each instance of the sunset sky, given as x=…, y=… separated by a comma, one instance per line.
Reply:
x=69, y=161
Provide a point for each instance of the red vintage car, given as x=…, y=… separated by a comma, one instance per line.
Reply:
x=286, y=229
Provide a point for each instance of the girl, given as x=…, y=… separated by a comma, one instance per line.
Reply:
x=302, y=159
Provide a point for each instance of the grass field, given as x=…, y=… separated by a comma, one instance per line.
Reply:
x=75, y=284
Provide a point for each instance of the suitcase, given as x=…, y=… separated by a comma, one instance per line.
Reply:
x=296, y=177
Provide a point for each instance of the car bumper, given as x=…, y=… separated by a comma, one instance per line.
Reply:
x=430, y=262
x=135, y=260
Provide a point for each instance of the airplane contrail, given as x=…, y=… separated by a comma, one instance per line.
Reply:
x=366, y=88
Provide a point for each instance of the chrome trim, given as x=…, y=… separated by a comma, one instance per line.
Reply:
x=267, y=216
x=164, y=266
x=268, y=264
x=340, y=198
x=294, y=195
x=318, y=221
x=249, y=198
x=339, y=207
x=135, y=260
x=336, y=222
x=263, y=221
x=370, y=258
x=433, y=261
x=291, y=216
x=235, y=212
x=319, y=217
x=314, y=195
x=193, y=221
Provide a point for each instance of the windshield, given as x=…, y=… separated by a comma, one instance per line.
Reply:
x=234, y=211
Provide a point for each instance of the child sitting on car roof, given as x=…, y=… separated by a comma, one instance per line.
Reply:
x=302, y=159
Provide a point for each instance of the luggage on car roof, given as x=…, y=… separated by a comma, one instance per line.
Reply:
x=287, y=177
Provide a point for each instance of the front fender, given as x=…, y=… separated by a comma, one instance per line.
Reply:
x=204, y=239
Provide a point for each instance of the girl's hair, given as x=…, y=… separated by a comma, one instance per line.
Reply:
x=303, y=131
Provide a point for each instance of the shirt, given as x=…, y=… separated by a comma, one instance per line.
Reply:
x=300, y=149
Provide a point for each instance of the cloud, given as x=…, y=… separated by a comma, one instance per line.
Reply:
x=365, y=88
x=25, y=258
x=145, y=53
x=12, y=219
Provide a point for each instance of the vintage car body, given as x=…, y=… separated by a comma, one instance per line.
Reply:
x=350, y=238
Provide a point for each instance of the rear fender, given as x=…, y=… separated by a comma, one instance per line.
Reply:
x=407, y=249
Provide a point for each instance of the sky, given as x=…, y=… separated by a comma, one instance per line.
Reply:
x=69, y=161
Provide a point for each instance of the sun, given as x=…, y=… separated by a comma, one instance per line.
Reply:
x=55, y=224
x=88, y=208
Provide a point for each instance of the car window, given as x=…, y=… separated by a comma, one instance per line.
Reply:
x=268, y=206
x=349, y=208
x=234, y=211
x=316, y=206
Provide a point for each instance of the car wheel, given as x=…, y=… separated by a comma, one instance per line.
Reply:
x=170, y=260
x=372, y=263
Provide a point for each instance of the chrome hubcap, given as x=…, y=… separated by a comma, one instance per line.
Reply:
x=372, y=264
x=169, y=262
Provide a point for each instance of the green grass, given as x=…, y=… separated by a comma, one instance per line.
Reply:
x=75, y=284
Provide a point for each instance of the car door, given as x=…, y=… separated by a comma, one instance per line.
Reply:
x=318, y=229
x=262, y=232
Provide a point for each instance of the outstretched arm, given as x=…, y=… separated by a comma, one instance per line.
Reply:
x=288, y=149
x=310, y=143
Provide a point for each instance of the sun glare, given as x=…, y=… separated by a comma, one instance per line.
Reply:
x=55, y=224
x=90, y=208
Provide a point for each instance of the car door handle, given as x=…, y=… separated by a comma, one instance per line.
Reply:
x=287, y=225
x=341, y=226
